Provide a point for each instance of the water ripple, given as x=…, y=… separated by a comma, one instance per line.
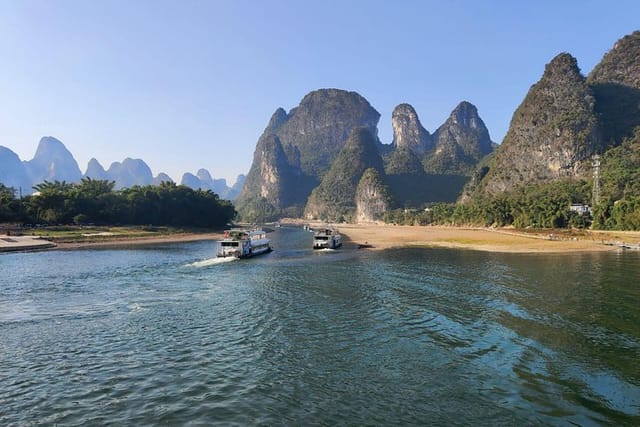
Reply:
x=168, y=336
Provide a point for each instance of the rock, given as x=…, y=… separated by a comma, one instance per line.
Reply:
x=408, y=131
x=334, y=198
x=129, y=173
x=307, y=140
x=615, y=81
x=162, y=177
x=372, y=197
x=13, y=172
x=53, y=162
x=95, y=170
x=552, y=135
x=461, y=142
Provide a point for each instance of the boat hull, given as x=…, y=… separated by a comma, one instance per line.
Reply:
x=331, y=243
x=244, y=244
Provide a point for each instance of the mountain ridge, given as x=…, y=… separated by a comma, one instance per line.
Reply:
x=54, y=162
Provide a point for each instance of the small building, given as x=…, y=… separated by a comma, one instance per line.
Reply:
x=580, y=208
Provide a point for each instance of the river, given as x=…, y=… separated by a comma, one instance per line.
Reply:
x=169, y=335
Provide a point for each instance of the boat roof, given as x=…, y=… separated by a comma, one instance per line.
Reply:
x=327, y=231
x=242, y=233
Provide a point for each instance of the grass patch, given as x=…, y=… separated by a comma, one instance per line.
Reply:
x=78, y=234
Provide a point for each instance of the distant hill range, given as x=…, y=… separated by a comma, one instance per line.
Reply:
x=53, y=162
x=323, y=159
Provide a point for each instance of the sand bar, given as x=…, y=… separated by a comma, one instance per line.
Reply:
x=484, y=239
x=378, y=236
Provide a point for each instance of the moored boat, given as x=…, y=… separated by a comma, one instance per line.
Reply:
x=327, y=238
x=244, y=244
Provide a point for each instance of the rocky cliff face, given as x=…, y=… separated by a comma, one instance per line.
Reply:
x=13, y=172
x=408, y=131
x=126, y=174
x=237, y=187
x=552, y=135
x=52, y=162
x=160, y=178
x=616, y=85
x=403, y=161
x=315, y=131
x=334, y=198
x=306, y=141
x=190, y=180
x=95, y=170
x=129, y=173
x=372, y=197
x=461, y=142
x=204, y=181
x=270, y=176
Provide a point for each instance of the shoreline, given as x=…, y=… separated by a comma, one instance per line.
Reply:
x=120, y=241
x=384, y=236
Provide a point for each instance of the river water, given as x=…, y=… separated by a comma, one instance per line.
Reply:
x=168, y=335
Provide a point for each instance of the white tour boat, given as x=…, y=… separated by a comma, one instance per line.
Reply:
x=327, y=238
x=243, y=243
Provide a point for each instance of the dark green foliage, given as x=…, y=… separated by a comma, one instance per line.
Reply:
x=438, y=214
x=542, y=206
x=462, y=141
x=418, y=190
x=258, y=210
x=94, y=201
x=621, y=169
x=620, y=186
x=403, y=161
x=625, y=214
x=615, y=81
x=335, y=196
x=9, y=205
x=618, y=107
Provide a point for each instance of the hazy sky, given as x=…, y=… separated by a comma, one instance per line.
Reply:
x=191, y=84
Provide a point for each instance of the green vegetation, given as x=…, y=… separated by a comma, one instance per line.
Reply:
x=258, y=210
x=334, y=198
x=95, y=202
x=411, y=191
x=542, y=206
x=548, y=205
x=619, y=207
x=403, y=161
x=619, y=109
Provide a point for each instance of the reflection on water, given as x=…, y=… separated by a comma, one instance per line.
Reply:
x=170, y=334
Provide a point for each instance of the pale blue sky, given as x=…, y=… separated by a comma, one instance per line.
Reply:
x=191, y=84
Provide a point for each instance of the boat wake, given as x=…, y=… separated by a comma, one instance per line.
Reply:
x=212, y=261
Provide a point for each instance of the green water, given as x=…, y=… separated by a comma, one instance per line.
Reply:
x=165, y=335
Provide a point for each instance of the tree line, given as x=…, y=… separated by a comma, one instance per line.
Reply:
x=96, y=202
x=543, y=206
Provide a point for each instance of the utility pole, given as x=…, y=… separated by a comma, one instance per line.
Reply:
x=595, y=197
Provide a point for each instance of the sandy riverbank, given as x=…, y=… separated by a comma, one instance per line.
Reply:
x=491, y=240
x=382, y=236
